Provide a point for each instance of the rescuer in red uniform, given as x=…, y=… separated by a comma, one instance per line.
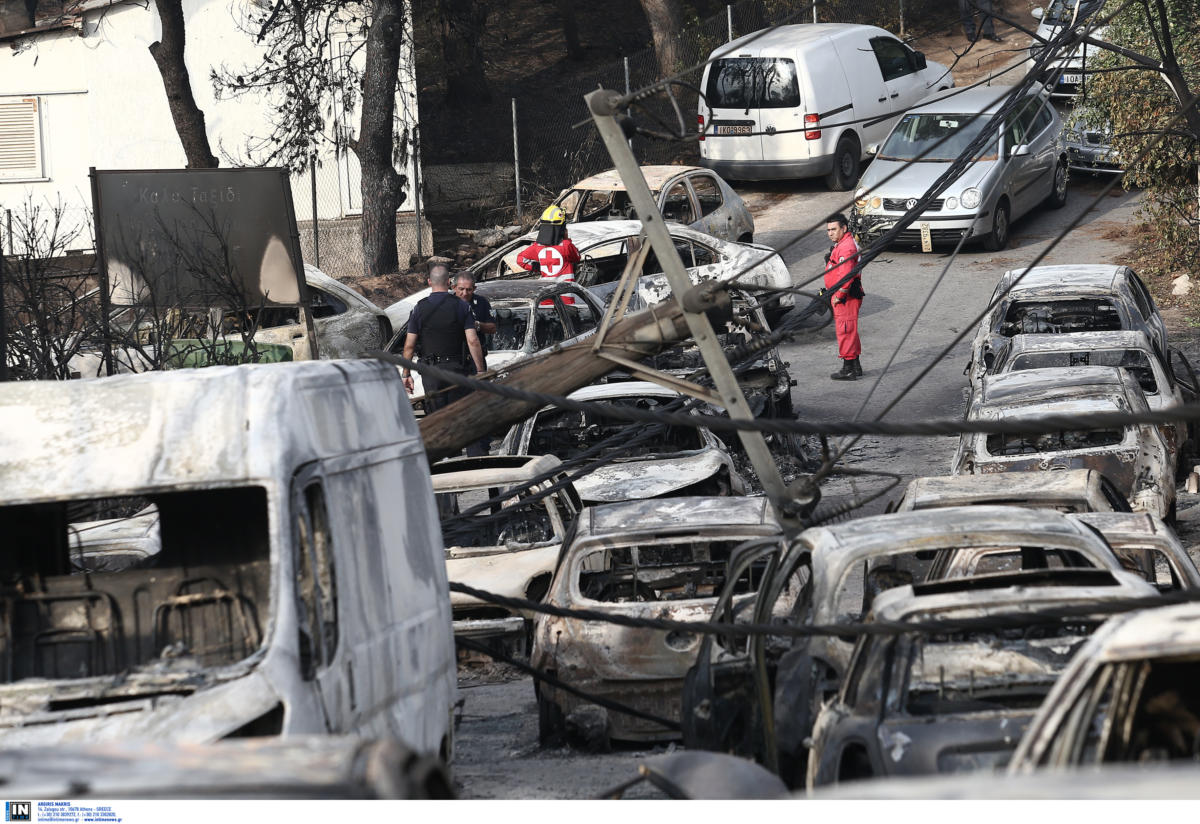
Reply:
x=847, y=299
x=553, y=255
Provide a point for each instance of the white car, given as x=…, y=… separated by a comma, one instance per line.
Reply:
x=1069, y=73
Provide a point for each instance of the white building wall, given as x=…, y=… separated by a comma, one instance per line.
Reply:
x=102, y=105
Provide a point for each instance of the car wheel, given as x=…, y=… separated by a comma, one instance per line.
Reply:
x=844, y=174
x=1058, y=195
x=746, y=238
x=997, y=239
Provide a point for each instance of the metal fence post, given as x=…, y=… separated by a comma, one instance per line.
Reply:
x=814, y=11
x=728, y=22
x=630, y=140
x=417, y=191
x=316, y=226
x=516, y=159
x=901, y=18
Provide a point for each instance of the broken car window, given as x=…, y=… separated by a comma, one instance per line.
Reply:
x=1135, y=360
x=513, y=521
x=1062, y=441
x=199, y=592
x=667, y=571
x=565, y=433
x=1060, y=317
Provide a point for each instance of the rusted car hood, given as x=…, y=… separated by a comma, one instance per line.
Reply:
x=631, y=480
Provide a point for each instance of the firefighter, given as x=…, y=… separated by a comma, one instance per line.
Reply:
x=553, y=255
x=847, y=299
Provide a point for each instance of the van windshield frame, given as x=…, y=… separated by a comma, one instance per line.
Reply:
x=753, y=83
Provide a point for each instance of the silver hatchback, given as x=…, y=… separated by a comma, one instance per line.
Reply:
x=1022, y=166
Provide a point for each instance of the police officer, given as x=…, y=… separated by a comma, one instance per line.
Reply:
x=445, y=328
x=847, y=299
x=485, y=324
x=553, y=255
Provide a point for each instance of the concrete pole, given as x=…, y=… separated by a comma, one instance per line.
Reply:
x=516, y=159
x=728, y=24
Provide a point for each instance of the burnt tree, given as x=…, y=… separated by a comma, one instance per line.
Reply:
x=570, y=26
x=186, y=115
x=665, y=19
x=461, y=25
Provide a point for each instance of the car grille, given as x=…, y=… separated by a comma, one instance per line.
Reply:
x=913, y=236
x=900, y=204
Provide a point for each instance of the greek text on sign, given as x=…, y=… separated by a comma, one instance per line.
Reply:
x=551, y=261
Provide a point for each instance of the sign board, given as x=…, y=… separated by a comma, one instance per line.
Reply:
x=198, y=238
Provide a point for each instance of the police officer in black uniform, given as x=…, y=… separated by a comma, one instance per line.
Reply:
x=444, y=327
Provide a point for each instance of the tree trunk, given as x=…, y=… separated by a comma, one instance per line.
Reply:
x=665, y=25
x=462, y=24
x=566, y=10
x=382, y=186
x=168, y=56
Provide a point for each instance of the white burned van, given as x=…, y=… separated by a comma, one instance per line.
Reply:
x=806, y=100
x=296, y=585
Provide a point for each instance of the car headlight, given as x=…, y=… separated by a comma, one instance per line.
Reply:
x=860, y=198
x=951, y=203
x=971, y=198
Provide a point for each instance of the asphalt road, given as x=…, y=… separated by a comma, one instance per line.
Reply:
x=497, y=751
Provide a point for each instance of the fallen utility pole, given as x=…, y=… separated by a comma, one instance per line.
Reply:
x=558, y=371
x=605, y=107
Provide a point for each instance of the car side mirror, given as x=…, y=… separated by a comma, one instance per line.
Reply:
x=921, y=62
x=1021, y=151
x=1038, y=12
x=872, y=149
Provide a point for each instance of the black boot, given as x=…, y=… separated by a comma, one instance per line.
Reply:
x=857, y=368
x=847, y=373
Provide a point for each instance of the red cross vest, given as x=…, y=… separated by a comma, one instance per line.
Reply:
x=556, y=262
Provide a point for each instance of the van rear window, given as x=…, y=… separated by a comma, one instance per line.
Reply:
x=753, y=83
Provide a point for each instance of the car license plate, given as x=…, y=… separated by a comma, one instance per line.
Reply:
x=926, y=238
x=1072, y=79
x=740, y=128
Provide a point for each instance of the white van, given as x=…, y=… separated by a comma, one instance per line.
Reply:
x=806, y=100
x=296, y=586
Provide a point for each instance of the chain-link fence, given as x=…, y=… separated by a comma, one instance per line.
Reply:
x=551, y=153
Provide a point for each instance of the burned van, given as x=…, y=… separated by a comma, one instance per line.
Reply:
x=293, y=583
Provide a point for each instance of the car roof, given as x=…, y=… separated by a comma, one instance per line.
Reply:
x=656, y=178
x=1125, y=339
x=957, y=526
x=997, y=487
x=1096, y=277
x=1150, y=633
x=787, y=37
x=1007, y=593
x=1125, y=525
x=606, y=391
x=592, y=232
x=1080, y=387
x=684, y=514
x=982, y=99
x=491, y=470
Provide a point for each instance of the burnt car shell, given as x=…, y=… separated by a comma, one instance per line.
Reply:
x=652, y=559
x=907, y=707
x=1136, y=458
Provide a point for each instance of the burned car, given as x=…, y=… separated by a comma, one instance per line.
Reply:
x=297, y=584
x=690, y=195
x=1073, y=490
x=1134, y=351
x=502, y=543
x=606, y=247
x=530, y=315
x=956, y=700
x=651, y=462
x=661, y=559
x=1129, y=696
x=1147, y=546
x=1137, y=458
x=1056, y=300
x=839, y=570
x=1090, y=148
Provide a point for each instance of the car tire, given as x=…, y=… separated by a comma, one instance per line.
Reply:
x=844, y=173
x=552, y=726
x=746, y=238
x=1058, y=194
x=997, y=239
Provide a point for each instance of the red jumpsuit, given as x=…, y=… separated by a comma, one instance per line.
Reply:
x=557, y=263
x=845, y=309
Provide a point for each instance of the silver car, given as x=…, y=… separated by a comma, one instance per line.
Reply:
x=1090, y=149
x=689, y=195
x=1069, y=74
x=1023, y=166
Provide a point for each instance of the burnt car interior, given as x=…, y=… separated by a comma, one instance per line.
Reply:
x=684, y=569
x=1060, y=316
x=1062, y=441
x=566, y=433
x=1135, y=360
x=1145, y=711
x=514, y=520
x=202, y=596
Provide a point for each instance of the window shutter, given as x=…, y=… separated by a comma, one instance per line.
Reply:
x=20, y=139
